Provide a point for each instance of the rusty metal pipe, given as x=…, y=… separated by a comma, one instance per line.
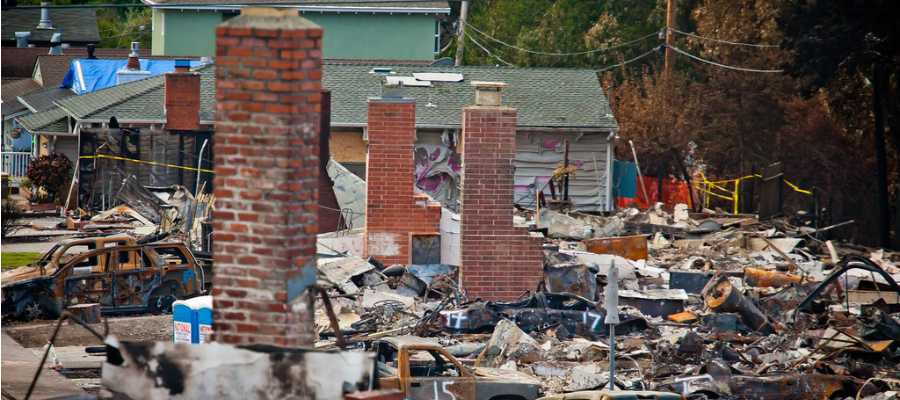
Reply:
x=761, y=278
x=726, y=298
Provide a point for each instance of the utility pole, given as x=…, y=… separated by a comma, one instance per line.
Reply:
x=670, y=37
x=884, y=216
x=566, y=169
x=461, y=35
x=611, y=297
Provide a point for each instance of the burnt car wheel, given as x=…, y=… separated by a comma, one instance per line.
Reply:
x=163, y=304
x=33, y=310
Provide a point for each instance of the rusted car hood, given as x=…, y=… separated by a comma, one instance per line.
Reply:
x=497, y=374
x=24, y=282
x=19, y=274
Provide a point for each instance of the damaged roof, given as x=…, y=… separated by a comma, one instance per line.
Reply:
x=141, y=100
x=545, y=97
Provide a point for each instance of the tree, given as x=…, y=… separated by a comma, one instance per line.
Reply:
x=836, y=41
x=118, y=26
x=563, y=26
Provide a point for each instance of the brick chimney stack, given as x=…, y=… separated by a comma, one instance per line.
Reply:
x=134, y=63
x=497, y=260
x=268, y=93
x=182, y=98
x=392, y=210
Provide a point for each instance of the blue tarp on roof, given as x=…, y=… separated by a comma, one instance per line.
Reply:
x=89, y=75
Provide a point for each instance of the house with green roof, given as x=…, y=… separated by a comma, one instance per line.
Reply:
x=406, y=30
x=554, y=105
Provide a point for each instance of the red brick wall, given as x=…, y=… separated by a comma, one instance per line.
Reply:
x=182, y=101
x=392, y=211
x=498, y=261
x=268, y=89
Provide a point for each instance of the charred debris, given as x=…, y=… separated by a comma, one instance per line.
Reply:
x=712, y=305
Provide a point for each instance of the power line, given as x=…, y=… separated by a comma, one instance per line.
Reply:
x=771, y=71
x=561, y=54
x=138, y=33
x=725, y=41
x=486, y=50
x=622, y=64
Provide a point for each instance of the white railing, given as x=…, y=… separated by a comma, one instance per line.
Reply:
x=15, y=163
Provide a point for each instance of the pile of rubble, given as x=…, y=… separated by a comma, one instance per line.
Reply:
x=153, y=214
x=712, y=305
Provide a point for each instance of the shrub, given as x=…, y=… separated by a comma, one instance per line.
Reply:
x=12, y=215
x=53, y=174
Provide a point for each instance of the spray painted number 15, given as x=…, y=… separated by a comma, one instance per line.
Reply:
x=444, y=389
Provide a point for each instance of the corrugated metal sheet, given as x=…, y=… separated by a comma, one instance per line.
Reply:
x=539, y=153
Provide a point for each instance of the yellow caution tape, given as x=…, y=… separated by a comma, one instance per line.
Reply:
x=715, y=183
x=147, y=162
x=797, y=189
x=734, y=193
x=713, y=194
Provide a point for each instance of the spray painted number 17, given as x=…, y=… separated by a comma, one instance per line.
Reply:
x=444, y=389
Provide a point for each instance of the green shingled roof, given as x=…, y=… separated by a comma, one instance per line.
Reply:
x=545, y=97
x=52, y=120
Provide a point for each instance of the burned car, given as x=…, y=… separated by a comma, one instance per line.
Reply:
x=423, y=370
x=122, y=279
x=61, y=254
x=537, y=311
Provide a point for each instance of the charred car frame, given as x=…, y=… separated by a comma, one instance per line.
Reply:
x=122, y=279
x=537, y=311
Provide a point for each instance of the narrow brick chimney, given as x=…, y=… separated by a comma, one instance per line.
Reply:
x=393, y=211
x=497, y=260
x=268, y=90
x=182, y=98
x=134, y=62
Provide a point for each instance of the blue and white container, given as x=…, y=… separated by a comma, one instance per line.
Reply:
x=192, y=320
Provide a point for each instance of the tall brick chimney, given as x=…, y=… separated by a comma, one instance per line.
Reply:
x=393, y=212
x=182, y=98
x=268, y=89
x=497, y=260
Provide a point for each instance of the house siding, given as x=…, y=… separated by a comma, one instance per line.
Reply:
x=348, y=35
